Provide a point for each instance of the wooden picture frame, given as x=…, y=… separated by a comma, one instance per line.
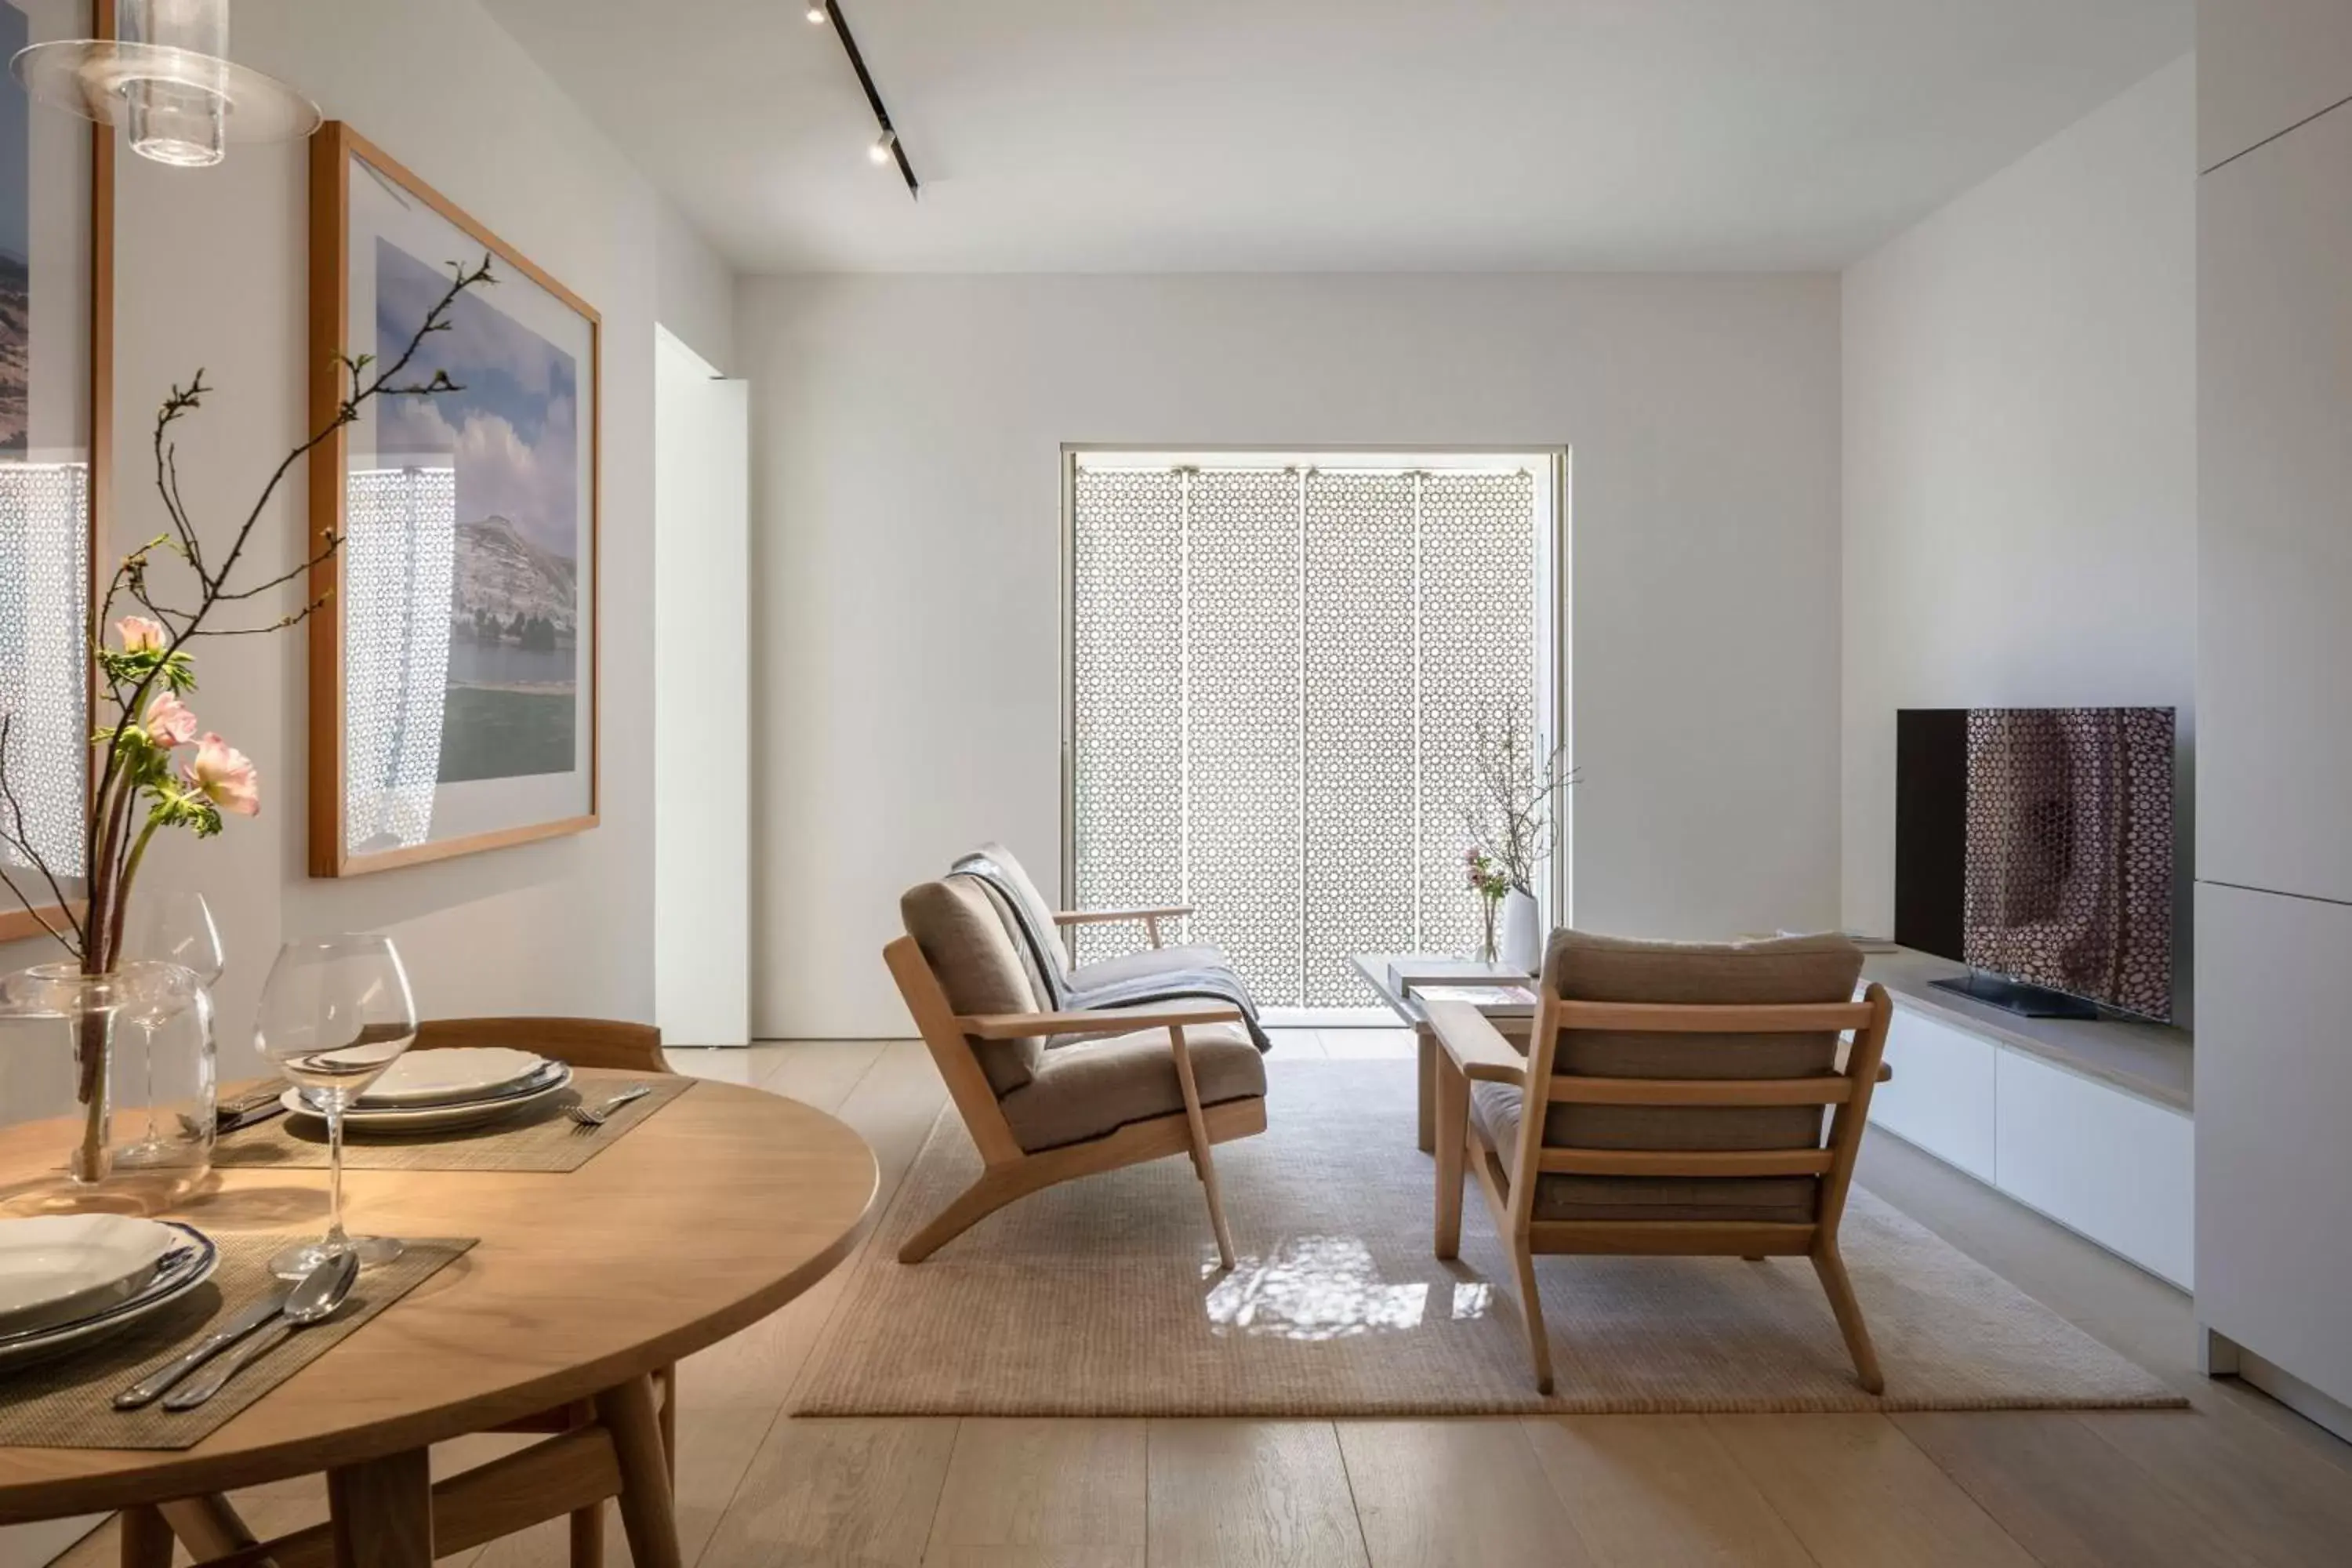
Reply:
x=16, y=923
x=351, y=179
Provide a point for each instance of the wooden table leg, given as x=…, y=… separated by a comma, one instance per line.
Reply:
x=1425, y=1045
x=383, y=1512
x=646, y=1517
x=208, y=1527
x=147, y=1541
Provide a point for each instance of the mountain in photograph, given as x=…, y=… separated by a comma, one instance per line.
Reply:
x=15, y=336
x=501, y=575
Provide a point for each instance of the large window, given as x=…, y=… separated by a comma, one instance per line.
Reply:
x=1279, y=668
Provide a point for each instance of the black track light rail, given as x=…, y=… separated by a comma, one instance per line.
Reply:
x=872, y=95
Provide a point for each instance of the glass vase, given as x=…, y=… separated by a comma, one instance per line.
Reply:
x=142, y=1049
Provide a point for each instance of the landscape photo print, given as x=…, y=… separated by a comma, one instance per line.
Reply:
x=511, y=438
x=462, y=631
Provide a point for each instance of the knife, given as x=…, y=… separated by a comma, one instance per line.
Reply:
x=153, y=1387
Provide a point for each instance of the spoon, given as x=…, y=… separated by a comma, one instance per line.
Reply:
x=317, y=1298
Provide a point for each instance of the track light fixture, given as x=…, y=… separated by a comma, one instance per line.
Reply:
x=886, y=148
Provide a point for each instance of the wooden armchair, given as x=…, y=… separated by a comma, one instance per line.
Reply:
x=1122, y=1086
x=1680, y=1089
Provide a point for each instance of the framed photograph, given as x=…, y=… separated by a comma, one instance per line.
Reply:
x=453, y=663
x=56, y=313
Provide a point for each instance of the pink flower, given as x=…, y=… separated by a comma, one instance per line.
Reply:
x=225, y=776
x=139, y=634
x=168, y=722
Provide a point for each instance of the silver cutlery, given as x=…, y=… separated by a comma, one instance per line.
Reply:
x=591, y=1118
x=254, y=1105
x=159, y=1383
x=314, y=1299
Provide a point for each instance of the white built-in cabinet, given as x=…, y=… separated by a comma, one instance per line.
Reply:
x=2265, y=65
x=2274, y=1056
x=2275, y=544
x=2114, y=1167
x=2275, y=1154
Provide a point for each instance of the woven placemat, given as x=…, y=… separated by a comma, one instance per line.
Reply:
x=68, y=1402
x=541, y=1138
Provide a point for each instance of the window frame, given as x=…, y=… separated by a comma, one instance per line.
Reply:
x=1553, y=466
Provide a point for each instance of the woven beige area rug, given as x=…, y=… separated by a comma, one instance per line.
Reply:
x=1103, y=1298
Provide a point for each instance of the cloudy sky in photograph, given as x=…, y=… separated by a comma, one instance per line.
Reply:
x=513, y=430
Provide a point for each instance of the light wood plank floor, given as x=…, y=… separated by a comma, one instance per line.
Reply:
x=2236, y=1480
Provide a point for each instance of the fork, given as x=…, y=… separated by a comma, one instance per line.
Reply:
x=591, y=1118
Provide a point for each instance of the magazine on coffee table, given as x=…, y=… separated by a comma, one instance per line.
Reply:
x=1496, y=1000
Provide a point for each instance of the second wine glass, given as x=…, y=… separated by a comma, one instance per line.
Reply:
x=334, y=1014
x=176, y=926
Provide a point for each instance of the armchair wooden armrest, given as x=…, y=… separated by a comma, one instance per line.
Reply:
x=1151, y=917
x=1475, y=1045
x=1097, y=1021
x=1111, y=916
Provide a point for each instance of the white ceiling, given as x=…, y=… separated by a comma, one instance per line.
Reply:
x=1311, y=135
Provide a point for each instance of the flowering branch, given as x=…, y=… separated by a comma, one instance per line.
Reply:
x=146, y=672
x=1512, y=818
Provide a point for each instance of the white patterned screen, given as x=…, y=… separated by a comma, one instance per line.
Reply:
x=1278, y=677
x=44, y=672
x=399, y=560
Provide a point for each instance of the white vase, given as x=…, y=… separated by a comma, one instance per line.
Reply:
x=1521, y=944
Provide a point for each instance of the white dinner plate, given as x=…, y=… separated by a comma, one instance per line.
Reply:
x=58, y=1267
x=441, y=1118
x=451, y=1077
x=188, y=1265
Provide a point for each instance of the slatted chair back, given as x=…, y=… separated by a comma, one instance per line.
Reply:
x=581, y=1042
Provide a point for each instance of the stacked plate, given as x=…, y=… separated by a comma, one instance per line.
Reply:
x=69, y=1279
x=435, y=1091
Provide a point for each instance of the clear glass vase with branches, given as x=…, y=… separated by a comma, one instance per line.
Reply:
x=151, y=766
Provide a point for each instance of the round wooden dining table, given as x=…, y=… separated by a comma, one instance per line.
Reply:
x=697, y=1223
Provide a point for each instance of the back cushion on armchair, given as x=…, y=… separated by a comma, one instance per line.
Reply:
x=1586, y=968
x=973, y=957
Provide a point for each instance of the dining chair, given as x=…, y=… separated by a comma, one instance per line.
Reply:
x=1121, y=1086
x=601, y=1043
x=209, y=1526
x=1678, y=1091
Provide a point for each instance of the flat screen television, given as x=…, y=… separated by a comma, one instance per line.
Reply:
x=2034, y=844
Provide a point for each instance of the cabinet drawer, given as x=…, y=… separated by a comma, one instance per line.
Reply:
x=1942, y=1096
x=2119, y=1169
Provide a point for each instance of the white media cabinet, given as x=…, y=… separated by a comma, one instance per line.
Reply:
x=2085, y=1122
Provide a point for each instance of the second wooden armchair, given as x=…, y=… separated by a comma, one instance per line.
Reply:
x=1119, y=1086
x=1669, y=1104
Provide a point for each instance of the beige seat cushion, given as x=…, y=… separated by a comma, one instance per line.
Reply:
x=956, y=923
x=1587, y=968
x=1084, y=1091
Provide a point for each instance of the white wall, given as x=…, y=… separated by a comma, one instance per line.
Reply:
x=907, y=548
x=210, y=271
x=702, y=747
x=2021, y=454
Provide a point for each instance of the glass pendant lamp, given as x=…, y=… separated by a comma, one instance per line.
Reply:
x=166, y=75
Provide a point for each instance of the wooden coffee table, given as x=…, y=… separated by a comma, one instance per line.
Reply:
x=695, y=1224
x=1374, y=968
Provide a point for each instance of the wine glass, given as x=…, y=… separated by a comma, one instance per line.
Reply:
x=170, y=928
x=334, y=1014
